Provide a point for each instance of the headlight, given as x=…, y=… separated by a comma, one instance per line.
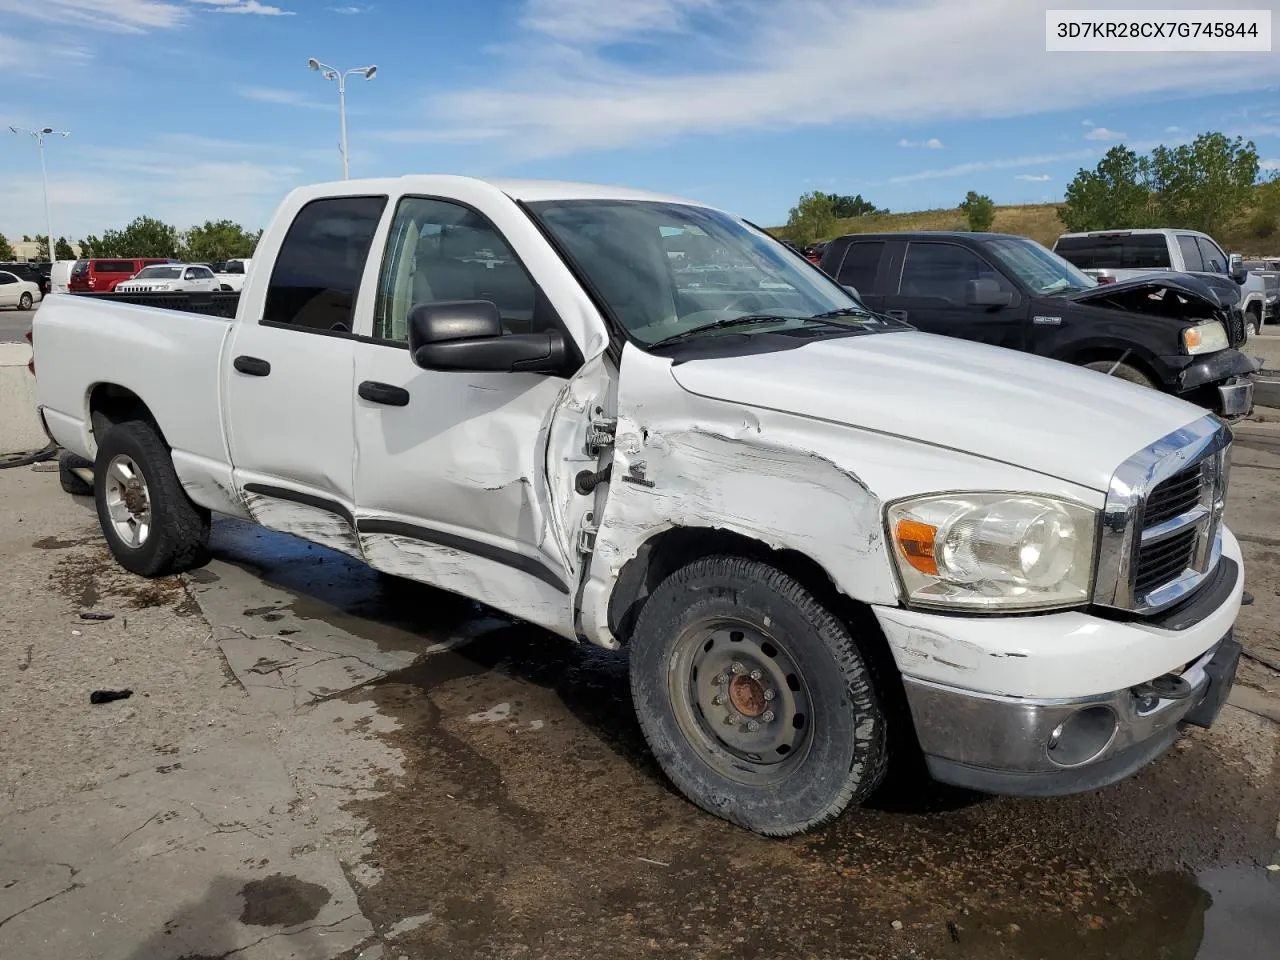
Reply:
x=993, y=551
x=1205, y=338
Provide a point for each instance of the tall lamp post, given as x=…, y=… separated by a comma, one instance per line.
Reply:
x=329, y=73
x=39, y=136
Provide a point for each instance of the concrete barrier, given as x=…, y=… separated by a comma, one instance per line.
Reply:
x=20, y=430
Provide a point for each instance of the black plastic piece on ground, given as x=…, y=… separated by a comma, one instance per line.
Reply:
x=106, y=696
x=26, y=459
x=95, y=615
x=1246, y=599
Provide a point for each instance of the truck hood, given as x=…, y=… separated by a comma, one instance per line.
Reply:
x=1038, y=414
x=1218, y=292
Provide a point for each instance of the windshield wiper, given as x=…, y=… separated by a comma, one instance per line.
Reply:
x=744, y=320
x=846, y=312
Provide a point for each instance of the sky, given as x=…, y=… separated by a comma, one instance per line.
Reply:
x=191, y=110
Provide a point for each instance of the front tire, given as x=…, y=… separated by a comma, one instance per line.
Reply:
x=1252, y=324
x=25, y=301
x=151, y=525
x=1122, y=371
x=755, y=698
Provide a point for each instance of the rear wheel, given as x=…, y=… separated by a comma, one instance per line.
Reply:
x=24, y=302
x=1253, y=323
x=71, y=482
x=151, y=525
x=754, y=697
x=1123, y=371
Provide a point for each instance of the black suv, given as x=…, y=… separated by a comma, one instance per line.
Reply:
x=1012, y=292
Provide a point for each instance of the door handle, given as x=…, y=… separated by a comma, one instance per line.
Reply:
x=896, y=314
x=252, y=366
x=384, y=393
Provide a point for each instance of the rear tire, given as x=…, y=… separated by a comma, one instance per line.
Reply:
x=1122, y=371
x=24, y=302
x=1252, y=324
x=151, y=525
x=726, y=643
x=71, y=482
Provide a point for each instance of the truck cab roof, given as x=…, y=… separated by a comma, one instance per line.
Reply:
x=525, y=190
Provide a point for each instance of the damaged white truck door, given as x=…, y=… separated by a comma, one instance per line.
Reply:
x=453, y=485
x=287, y=371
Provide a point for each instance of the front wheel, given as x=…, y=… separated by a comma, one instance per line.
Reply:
x=755, y=698
x=24, y=302
x=1122, y=371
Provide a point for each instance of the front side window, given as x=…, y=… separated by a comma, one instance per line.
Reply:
x=943, y=271
x=671, y=270
x=317, y=272
x=1215, y=261
x=442, y=251
x=158, y=273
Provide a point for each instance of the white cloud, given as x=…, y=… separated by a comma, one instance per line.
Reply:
x=353, y=9
x=1270, y=164
x=283, y=97
x=599, y=22
x=245, y=6
x=114, y=16
x=568, y=91
x=1172, y=129
x=1086, y=123
x=1034, y=177
x=933, y=143
x=978, y=166
x=1102, y=133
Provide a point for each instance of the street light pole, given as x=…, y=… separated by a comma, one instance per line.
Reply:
x=39, y=136
x=329, y=73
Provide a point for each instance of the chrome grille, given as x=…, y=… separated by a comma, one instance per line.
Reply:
x=1162, y=521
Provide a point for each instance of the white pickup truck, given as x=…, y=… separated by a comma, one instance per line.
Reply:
x=830, y=543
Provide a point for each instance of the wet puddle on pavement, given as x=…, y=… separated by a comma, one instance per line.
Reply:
x=531, y=820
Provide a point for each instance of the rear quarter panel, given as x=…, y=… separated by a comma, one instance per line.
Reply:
x=169, y=359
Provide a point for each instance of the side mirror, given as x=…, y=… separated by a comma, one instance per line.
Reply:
x=468, y=335
x=1235, y=267
x=986, y=293
x=852, y=291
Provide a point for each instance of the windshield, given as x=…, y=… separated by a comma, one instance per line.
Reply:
x=1043, y=271
x=667, y=269
x=158, y=273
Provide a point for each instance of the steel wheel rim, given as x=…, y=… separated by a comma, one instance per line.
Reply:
x=740, y=700
x=128, y=501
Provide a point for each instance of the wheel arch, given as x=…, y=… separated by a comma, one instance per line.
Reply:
x=111, y=403
x=1132, y=355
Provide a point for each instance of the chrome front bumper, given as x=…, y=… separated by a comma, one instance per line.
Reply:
x=1235, y=397
x=1009, y=745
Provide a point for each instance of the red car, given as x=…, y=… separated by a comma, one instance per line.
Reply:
x=102, y=275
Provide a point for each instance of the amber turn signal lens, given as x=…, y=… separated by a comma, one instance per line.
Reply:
x=1191, y=338
x=915, y=543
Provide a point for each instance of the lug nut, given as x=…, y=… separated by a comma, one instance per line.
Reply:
x=752, y=726
x=767, y=716
x=729, y=720
x=736, y=668
x=769, y=694
x=719, y=679
x=717, y=700
x=755, y=674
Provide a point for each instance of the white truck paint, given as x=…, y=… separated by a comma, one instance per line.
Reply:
x=578, y=492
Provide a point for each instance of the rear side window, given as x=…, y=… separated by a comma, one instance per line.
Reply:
x=860, y=265
x=317, y=273
x=1190, y=252
x=943, y=271
x=234, y=266
x=113, y=266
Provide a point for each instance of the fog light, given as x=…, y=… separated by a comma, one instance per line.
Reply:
x=1082, y=736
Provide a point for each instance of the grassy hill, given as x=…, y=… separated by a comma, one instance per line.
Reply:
x=1039, y=221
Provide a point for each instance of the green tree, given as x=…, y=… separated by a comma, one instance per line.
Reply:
x=846, y=207
x=6, y=250
x=1265, y=221
x=812, y=218
x=217, y=240
x=143, y=237
x=1114, y=194
x=980, y=210
x=90, y=246
x=63, y=250
x=42, y=246
x=1204, y=185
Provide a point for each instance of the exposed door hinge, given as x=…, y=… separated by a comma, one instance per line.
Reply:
x=587, y=530
x=600, y=433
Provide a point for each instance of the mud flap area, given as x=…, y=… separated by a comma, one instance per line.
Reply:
x=1222, y=675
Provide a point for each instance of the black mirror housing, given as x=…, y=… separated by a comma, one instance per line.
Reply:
x=1236, y=268
x=985, y=292
x=461, y=335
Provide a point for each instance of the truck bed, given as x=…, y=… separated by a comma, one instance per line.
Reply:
x=214, y=304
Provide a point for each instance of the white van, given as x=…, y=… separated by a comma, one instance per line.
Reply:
x=60, y=276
